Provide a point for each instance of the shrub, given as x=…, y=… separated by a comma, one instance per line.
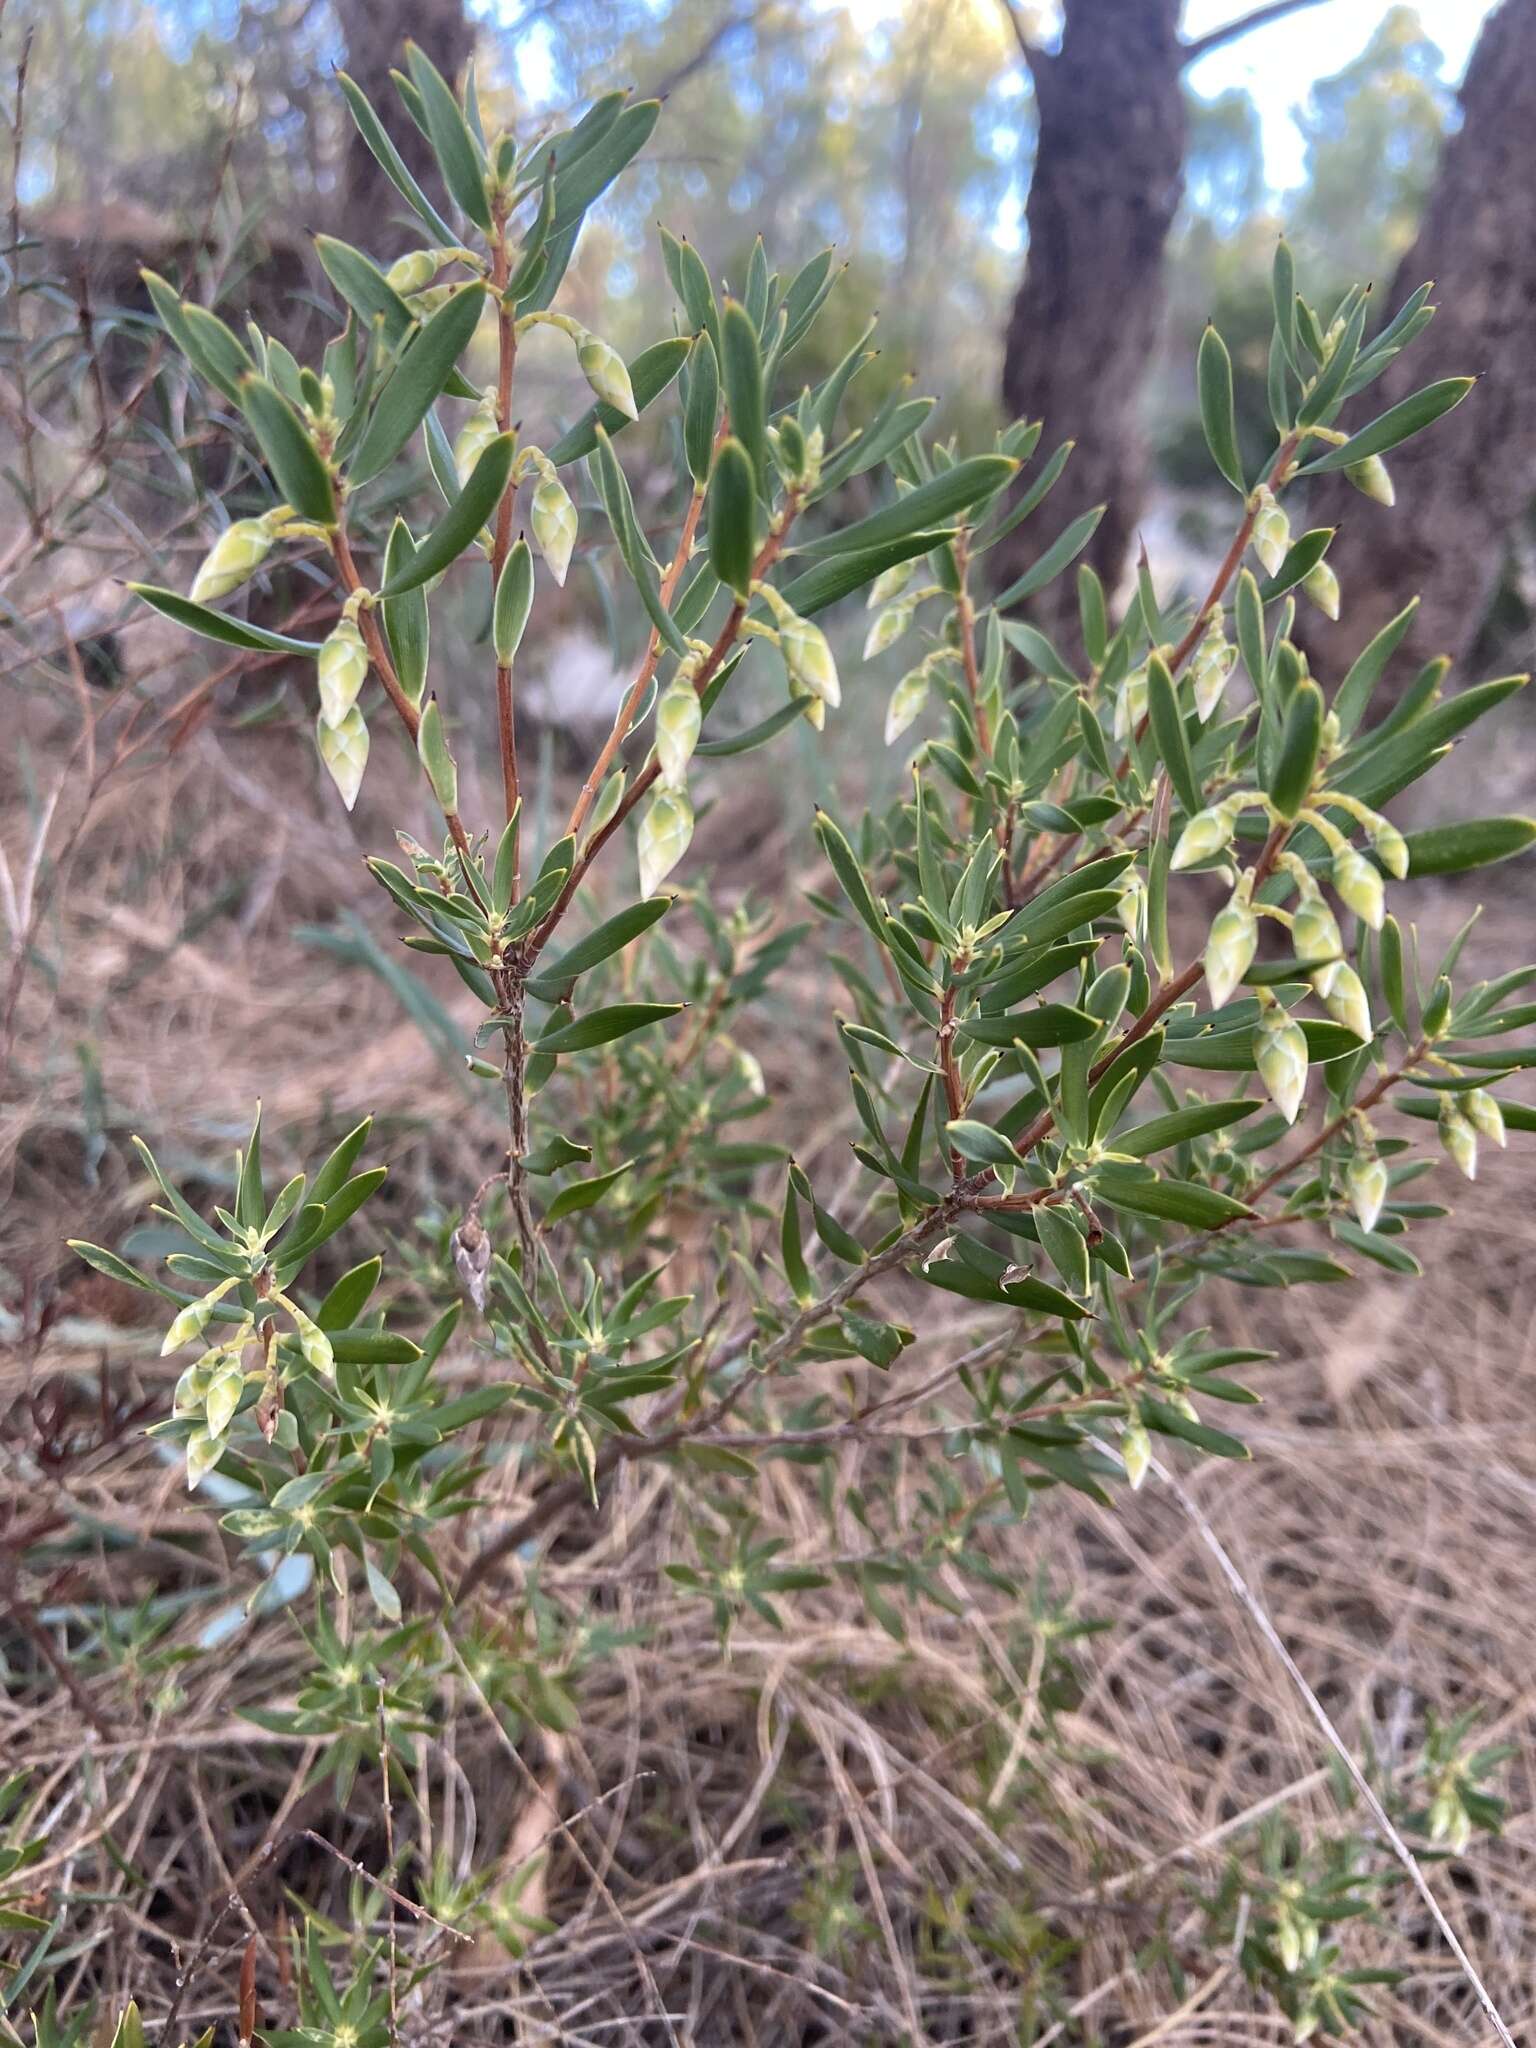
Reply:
x=1066, y=1117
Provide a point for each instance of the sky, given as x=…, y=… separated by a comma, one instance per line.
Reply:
x=1278, y=65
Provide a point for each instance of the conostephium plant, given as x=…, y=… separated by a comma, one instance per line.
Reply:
x=1059, y=1120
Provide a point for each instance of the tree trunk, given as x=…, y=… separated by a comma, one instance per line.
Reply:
x=1462, y=485
x=1107, y=181
x=375, y=32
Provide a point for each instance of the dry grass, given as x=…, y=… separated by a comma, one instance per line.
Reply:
x=963, y=1799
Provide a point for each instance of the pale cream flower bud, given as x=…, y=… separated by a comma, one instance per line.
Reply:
x=1344, y=995
x=552, y=519
x=191, y=1321
x=1360, y=886
x=1136, y=1450
x=474, y=437
x=1229, y=951
x=1215, y=659
x=1373, y=479
x=1315, y=931
x=603, y=368
x=1131, y=909
x=342, y=664
x=806, y=653
x=888, y=584
x=907, y=701
x=1280, y=1052
x=678, y=717
x=233, y=559
x=1322, y=586
x=1208, y=833
x=414, y=271
x=1485, y=1116
x=1390, y=845
x=1366, y=1183
x=665, y=832
x=203, y=1453
x=223, y=1397
x=344, y=751
x=1131, y=704
x=887, y=627
x=1459, y=1136
x=1271, y=532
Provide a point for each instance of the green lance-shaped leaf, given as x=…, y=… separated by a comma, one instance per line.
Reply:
x=514, y=601
x=372, y=130
x=1168, y=733
x=1283, y=289
x=198, y=618
x=1395, y=425
x=703, y=409
x=211, y=349
x=942, y=497
x=453, y=145
x=731, y=513
x=294, y=460
x=1300, y=744
x=1063, y=551
x=597, y=945
x=407, y=625
x=741, y=370
x=1474, y=843
x=601, y=1027
x=1064, y=1245
x=442, y=770
x=461, y=522
x=417, y=380
x=584, y=179
x=1218, y=415
x=365, y=288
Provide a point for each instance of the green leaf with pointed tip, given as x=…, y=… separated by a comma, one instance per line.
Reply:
x=601, y=1027
x=1179, y=1126
x=980, y=1144
x=365, y=288
x=702, y=412
x=1301, y=741
x=294, y=460
x=453, y=144
x=549, y=982
x=407, y=625
x=512, y=604
x=390, y=161
x=584, y=180
x=1062, y=552
x=418, y=379
x=741, y=376
x=584, y=1194
x=1047, y=1024
x=1170, y=1201
x=464, y=518
x=199, y=618
x=731, y=516
x=1395, y=425
x=1473, y=843
x=942, y=497
x=1169, y=736
x=1218, y=415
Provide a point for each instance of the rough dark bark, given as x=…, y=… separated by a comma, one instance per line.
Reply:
x=1462, y=485
x=1107, y=181
x=375, y=33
